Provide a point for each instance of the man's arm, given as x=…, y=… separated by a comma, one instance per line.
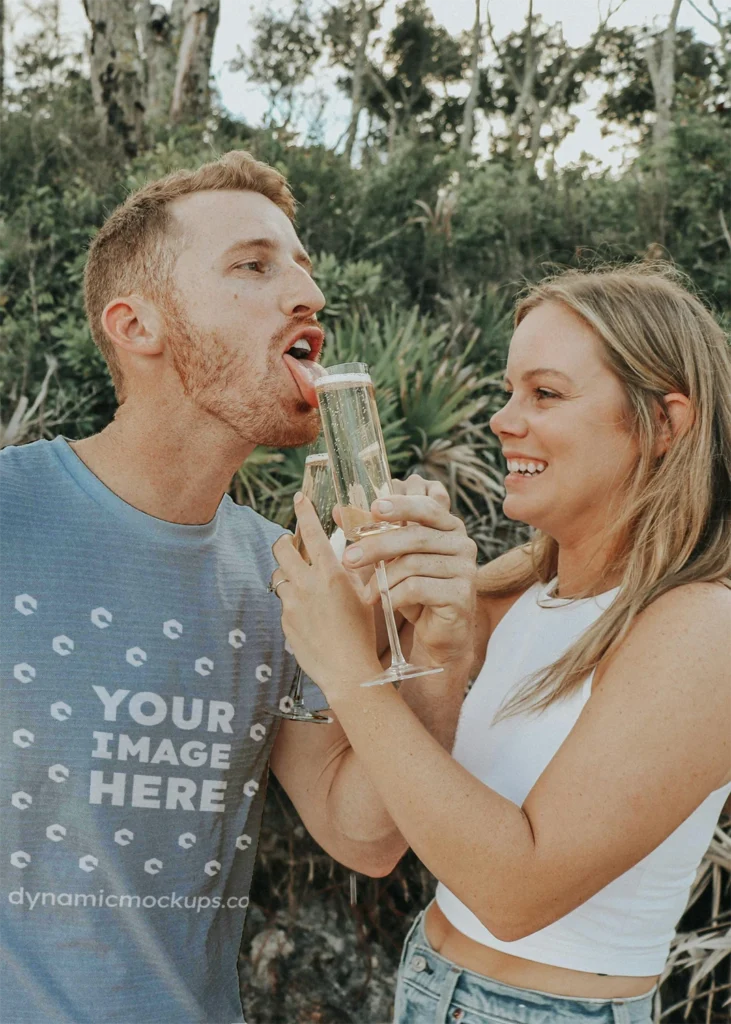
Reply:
x=331, y=789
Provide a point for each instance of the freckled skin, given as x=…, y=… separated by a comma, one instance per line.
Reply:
x=227, y=322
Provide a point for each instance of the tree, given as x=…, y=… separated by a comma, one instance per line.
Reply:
x=2, y=50
x=629, y=98
x=468, y=120
x=722, y=24
x=159, y=31
x=660, y=57
x=191, y=89
x=366, y=23
x=117, y=73
x=409, y=90
x=149, y=66
x=283, y=53
x=541, y=76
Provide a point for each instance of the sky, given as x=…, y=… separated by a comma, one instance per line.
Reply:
x=578, y=17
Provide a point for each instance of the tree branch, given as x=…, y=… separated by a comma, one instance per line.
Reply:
x=509, y=67
x=560, y=84
x=718, y=20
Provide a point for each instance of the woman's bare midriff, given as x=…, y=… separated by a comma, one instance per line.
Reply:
x=453, y=945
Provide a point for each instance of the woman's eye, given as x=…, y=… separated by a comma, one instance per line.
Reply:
x=250, y=265
x=540, y=393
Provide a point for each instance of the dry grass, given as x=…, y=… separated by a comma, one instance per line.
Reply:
x=696, y=982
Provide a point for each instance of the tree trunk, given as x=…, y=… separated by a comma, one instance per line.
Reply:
x=525, y=94
x=468, y=121
x=661, y=63
x=2, y=51
x=117, y=74
x=191, y=89
x=359, y=68
x=160, y=34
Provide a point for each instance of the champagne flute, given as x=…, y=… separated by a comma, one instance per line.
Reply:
x=360, y=471
x=317, y=485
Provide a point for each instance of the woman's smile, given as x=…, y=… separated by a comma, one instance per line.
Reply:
x=523, y=467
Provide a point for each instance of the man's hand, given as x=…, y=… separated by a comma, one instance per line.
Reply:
x=326, y=619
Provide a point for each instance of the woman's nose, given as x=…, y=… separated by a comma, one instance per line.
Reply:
x=508, y=420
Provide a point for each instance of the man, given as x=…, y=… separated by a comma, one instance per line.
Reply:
x=141, y=647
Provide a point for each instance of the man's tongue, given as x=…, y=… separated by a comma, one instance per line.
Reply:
x=305, y=373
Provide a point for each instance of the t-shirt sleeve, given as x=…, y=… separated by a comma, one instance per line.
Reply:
x=312, y=695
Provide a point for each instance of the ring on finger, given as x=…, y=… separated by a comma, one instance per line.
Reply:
x=272, y=587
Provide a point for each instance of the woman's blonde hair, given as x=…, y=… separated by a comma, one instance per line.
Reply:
x=675, y=523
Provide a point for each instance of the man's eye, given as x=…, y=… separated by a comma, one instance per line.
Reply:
x=250, y=265
x=545, y=393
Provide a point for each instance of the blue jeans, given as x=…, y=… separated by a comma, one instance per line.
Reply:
x=433, y=990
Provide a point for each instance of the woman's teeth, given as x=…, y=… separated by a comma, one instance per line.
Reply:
x=526, y=468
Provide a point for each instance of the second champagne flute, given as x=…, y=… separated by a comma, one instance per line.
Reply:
x=317, y=485
x=361, y=475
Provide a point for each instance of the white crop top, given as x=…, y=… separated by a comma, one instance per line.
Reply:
x=626, y=927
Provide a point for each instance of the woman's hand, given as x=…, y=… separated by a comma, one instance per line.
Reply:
x=325, y=612
x=431, y=569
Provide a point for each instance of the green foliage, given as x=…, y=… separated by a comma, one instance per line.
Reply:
x=283, y=53
x=354, y=286
x=554, y=56
x=629, y=96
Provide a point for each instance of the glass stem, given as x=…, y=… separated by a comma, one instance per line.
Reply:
x=296, y=690
x=397, y=657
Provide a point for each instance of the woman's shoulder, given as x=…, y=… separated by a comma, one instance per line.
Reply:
x=688, y=625
x=688, y=605
x=691, y=613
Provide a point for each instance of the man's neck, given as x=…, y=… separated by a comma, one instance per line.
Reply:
x=172, y=467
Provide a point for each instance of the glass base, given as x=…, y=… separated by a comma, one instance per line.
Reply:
x=299, y=713
x=397, y=673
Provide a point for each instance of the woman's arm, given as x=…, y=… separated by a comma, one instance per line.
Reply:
x=652, y=742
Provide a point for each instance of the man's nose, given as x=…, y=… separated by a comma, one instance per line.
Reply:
x=304, y=298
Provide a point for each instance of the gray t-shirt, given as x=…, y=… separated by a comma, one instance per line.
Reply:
x=138, y=660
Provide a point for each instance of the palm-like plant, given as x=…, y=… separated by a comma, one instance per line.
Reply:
x=698, y=956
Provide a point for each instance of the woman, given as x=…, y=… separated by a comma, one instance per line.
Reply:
x=593, y=753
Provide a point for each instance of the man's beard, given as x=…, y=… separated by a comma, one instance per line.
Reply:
x=221, y=382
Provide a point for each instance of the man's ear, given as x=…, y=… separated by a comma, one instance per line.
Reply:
x=675, y=419
x=134, y=324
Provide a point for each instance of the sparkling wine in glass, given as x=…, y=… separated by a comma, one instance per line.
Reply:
x=360, y=471
x=317, y=485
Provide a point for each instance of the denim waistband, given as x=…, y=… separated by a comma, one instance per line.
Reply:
x=448, y=983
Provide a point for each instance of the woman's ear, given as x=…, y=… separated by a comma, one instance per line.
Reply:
x=675, y=419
